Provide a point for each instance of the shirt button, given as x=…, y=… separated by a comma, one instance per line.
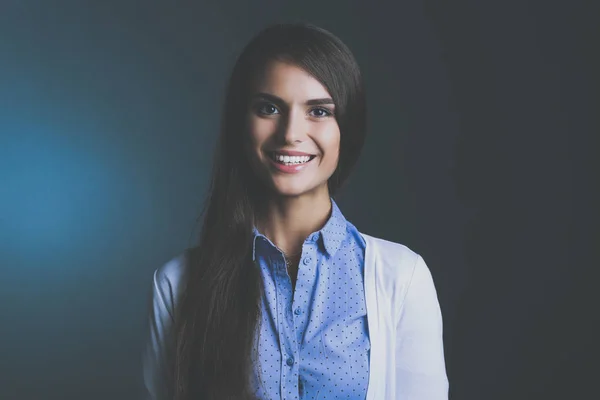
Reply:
x=306, y=261
x=298, y=311
x=290, y=361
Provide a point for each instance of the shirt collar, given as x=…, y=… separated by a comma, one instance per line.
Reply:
x=255, y=234
x=334, y=231
x=332, y=234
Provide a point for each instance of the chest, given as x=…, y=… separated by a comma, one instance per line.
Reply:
x=313, y=336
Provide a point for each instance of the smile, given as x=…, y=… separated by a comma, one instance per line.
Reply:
x=290, y=164
x=290, y=160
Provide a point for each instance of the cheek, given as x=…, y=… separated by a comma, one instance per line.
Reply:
x=330, y=144
x=259, y=130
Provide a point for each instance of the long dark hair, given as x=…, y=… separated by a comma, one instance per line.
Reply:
x=219, y=310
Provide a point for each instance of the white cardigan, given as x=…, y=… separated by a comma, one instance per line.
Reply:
x=404, y=321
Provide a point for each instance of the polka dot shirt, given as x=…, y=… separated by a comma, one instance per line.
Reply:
x=312, y=341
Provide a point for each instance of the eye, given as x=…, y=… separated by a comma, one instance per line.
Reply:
x=266, y=109
x=321, y=112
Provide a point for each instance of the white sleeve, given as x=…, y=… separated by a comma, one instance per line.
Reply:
x=160, y=345
x=420, y=365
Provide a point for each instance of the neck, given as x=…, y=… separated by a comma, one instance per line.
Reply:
x=288, y=220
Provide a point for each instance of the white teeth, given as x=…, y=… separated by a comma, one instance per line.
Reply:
x=291, y=159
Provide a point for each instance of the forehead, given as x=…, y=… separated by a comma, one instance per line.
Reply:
x=289, y=82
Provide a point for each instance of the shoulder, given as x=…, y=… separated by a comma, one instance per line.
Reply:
x=170, y=278
x=390, y=265
x=173, y=272
x=387, y=251
x=397, y=274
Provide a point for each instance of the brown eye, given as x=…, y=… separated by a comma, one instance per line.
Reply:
x=320, y=112
x=267, y=109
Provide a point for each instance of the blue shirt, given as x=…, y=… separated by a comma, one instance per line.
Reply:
x=313, y=342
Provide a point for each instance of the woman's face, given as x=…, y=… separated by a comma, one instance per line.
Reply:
x=294, y=136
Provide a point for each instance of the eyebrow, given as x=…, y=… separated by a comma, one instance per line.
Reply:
x=311, y=102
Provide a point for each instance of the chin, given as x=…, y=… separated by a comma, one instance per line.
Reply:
x=289, y=191
x=296, y=189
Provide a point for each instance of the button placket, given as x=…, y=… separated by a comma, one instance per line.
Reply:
x=301, y=294
x=287, y=336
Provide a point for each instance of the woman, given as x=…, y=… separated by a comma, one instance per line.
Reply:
x=283, y=297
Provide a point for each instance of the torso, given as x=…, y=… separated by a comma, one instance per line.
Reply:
x=314, y=340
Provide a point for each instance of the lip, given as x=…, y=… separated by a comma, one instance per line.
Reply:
x=290, y=169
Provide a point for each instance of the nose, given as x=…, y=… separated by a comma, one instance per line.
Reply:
x=294, y=127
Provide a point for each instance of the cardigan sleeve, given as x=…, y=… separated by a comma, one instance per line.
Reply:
x=420, y=365
x=159, y=346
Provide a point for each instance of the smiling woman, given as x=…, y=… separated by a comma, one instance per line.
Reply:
x=283, y=297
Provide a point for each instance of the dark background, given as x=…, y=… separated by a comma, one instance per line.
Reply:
x=480, y=157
